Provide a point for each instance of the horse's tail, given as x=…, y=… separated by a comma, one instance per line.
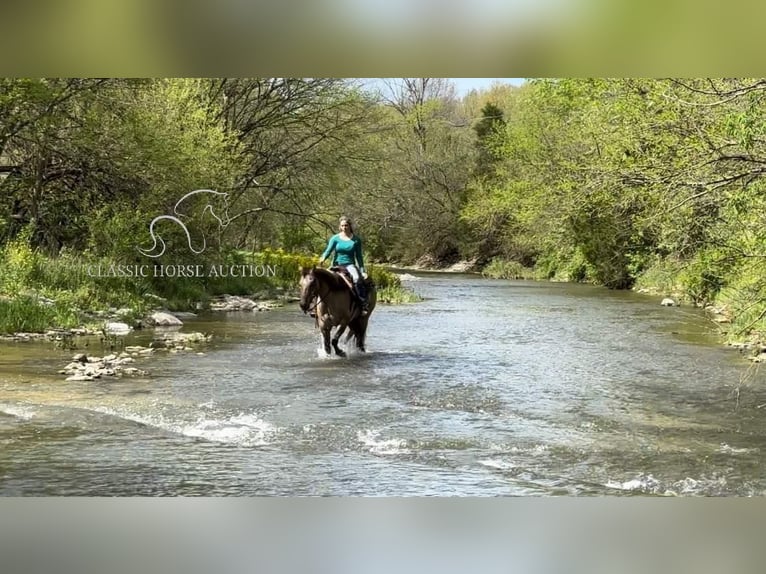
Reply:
x=357, y=329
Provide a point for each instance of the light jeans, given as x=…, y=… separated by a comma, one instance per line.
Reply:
x=356, y=277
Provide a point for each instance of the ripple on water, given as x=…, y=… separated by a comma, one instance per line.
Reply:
x=193, y=421
x=19, y=411
x=486, y=387
x=714, y=485
x=372, y=440
x=462, y=397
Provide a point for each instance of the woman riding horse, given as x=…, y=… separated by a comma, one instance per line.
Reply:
x=348, y=254
x=328, y=294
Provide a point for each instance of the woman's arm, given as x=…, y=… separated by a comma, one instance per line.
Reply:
x=329, y=249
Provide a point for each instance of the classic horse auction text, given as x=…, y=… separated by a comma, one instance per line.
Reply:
x=181, y=271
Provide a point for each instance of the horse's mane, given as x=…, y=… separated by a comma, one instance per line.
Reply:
x=335, y=281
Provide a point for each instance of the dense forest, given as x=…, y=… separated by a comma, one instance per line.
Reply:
x=626, y=183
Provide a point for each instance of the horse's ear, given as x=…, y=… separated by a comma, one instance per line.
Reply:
x=304, y=271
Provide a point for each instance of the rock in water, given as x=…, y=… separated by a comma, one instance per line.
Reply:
x=160, y=319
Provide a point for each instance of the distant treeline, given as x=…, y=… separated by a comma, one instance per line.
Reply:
x=617, y=182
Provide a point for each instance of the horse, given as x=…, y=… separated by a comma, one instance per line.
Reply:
x=335, y=306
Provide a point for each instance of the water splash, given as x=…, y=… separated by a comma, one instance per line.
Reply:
x=19, y=411
x=371, y=439
x=244, y=429
x=648, y=484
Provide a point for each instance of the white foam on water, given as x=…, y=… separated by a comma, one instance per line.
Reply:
x=726, y=449
x=687, y=486
x=371, y=439
x=242, y=429
x=534, y=449
x=497, y=464
x=647, y=484
x=322, y=355
x=350, y=350
x=19, y=411
x=502, y=464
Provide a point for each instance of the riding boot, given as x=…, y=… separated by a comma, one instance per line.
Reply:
x=362, y=294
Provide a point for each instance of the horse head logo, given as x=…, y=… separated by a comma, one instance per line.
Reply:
x=222, y=216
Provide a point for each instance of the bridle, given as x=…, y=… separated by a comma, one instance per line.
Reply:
x=314, y=306
x=315, y=296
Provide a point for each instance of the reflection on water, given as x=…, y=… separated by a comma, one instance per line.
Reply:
x=485, y=388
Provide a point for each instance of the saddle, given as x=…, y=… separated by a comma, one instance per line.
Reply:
x=346, y=276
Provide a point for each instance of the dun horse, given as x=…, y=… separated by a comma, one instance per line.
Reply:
x=335, y=306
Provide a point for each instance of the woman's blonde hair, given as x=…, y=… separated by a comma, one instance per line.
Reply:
x=347, y=220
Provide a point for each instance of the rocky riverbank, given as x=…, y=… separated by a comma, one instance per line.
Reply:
x=118, y=322
x=432, y=265
x=131, y=360
x=85, y=368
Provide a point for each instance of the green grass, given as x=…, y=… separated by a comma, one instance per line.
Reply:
x=27, y=278
x=398, y=295
x=501, y=269
x=27, y=315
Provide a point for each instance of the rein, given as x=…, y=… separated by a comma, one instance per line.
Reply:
x=314, y=306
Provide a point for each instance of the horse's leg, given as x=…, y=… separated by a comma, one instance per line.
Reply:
x=362, y=333
x=336, y=338
x=326, y=337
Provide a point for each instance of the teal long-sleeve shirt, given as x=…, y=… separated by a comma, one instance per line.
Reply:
x=347, y=252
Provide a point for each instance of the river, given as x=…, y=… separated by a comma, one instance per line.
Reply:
x=485, y=388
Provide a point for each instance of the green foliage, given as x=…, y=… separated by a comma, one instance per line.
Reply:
x=743, y=297
x=565, y=265
x=287, y=266
x=397, y=295
x=383, y=279
x=17, y=264
x=703, y=277
x=489, y=130
x=662, y=276
x=615, y=181
x=28, y=315
x=500, y=269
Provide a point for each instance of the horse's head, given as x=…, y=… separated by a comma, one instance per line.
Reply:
x=308, y=284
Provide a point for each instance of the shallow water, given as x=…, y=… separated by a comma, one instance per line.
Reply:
x=485, y=388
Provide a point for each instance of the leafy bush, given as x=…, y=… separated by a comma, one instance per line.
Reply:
x=663, y=276
x=502, y=269
x=703, y=277
x=383, y=279
x=29, y=314
x=397, y=295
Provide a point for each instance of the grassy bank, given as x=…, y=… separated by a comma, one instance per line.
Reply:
x=502, y=269
x=38, y=293
x=732, y=296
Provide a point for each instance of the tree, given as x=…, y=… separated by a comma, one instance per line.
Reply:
x=487, y=129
